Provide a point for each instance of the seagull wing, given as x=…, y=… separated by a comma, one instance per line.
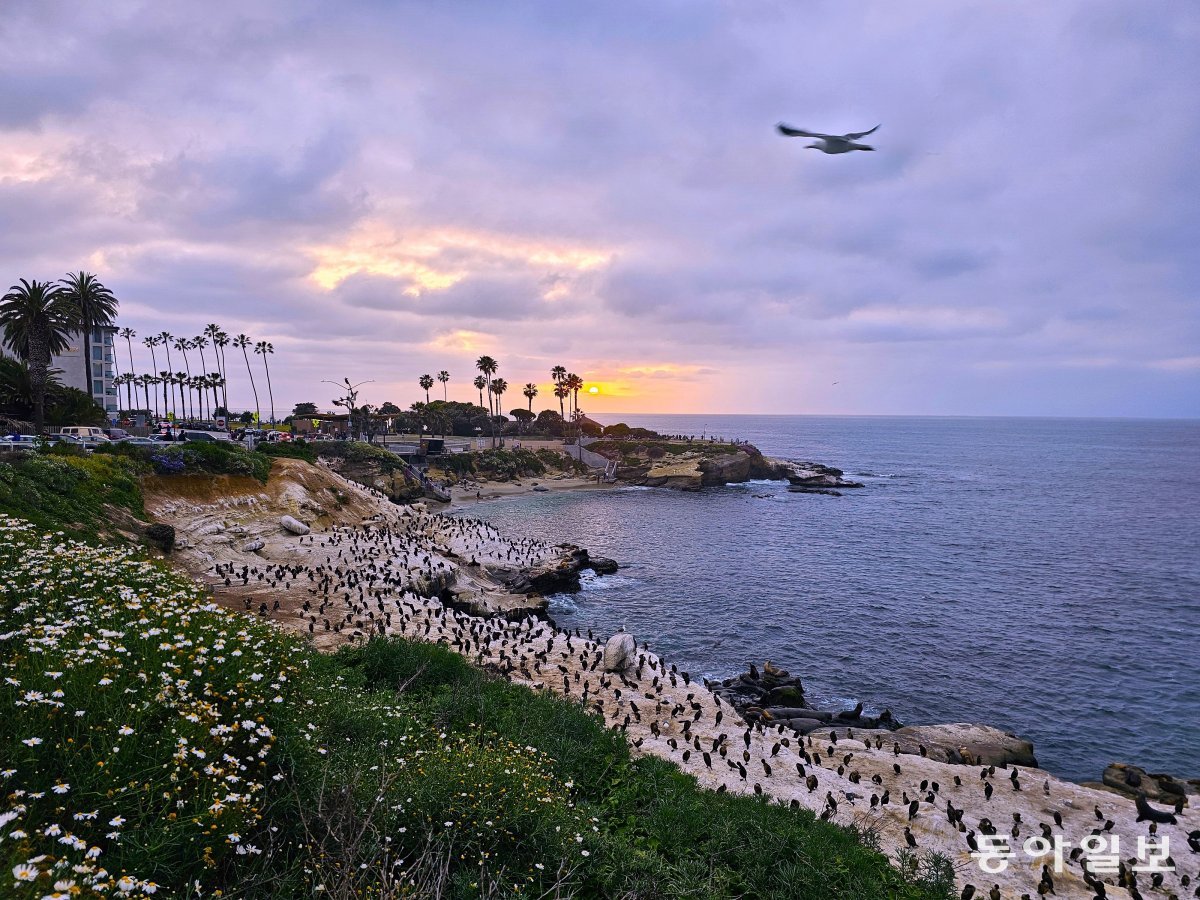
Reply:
x=798, y=132
x=855, y=135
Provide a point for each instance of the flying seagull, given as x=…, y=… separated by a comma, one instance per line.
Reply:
x=830, y=143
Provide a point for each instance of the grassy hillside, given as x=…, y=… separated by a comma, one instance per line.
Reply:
x=155, y=744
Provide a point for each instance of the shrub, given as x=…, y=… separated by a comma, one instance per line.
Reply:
x=290, y=450
x=194, y=457
x=69, y=493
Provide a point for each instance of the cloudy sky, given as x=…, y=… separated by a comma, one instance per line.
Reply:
x=384, y=189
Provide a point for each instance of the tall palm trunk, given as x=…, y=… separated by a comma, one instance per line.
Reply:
x=129, y=385
x=224, y=382
x=146, y=389
x=188, y=409
x=252, y=387
x=201, y=388
x=39, y=373
x=167, y=347
x=270, y=393
x=153, y=369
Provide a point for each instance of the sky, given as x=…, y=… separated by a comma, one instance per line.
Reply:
x=387, y=189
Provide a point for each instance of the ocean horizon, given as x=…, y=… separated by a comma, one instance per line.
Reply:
x=1038, y=574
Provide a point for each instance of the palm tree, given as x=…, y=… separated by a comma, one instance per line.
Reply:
x=123, y=381
x=164, y=340
x=530, y=391
x=143, y=381
x=165, y=379
x=488, y=367
x=94, y=307
x=444, y=377
x=499, y=386
x=151, y=342
x=559, y=374
x=220, y=342
x=199, y=342
x=426, y=381
x=213, y=382
x=243, y=342
x=129, y=334
x=265, y=349
x=183, y=345
x=213, y=332
x=36, y=318
x=561, y=392
x=480, y=383
x=198, y=383
x=573, y=383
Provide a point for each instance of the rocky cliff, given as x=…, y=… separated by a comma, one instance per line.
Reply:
x=690, y=467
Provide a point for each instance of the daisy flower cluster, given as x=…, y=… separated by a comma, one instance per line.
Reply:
x=137, y=737
x=155, y=743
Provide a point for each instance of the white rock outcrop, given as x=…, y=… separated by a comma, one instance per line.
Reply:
x=620, y=652
x=295, y=526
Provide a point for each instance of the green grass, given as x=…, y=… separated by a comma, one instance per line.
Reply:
x=71, y=493
x=635, y=452
x=289, y=450
x=193, y=457
x=156, y=742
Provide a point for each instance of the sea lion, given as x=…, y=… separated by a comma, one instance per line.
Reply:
x=1148, y=813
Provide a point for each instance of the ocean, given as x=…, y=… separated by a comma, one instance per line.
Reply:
x=1039, y=575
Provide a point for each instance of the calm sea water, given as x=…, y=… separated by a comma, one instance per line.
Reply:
x=1040, y=575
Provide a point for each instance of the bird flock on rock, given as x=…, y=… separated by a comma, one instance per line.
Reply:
x=383, y=577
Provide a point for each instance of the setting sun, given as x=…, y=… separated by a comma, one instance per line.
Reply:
x=593, y=390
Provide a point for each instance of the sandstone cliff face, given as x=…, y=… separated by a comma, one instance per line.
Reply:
x=393, y=484
x=695, y=469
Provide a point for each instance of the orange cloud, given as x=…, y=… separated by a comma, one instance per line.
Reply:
x=436, y=259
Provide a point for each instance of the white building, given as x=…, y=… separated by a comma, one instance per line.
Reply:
x=99, y=380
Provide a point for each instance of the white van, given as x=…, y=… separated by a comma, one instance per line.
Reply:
x=87, y=433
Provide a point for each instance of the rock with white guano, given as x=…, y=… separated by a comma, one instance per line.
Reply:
x=620, y=652
x=253, y=546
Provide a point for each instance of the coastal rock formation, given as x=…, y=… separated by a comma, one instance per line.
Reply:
x=960, y=743
x=693, y=465
x=235, y=521
x=367, y=560
x=620, y=652
x=602, y=565
x=814, y=478
x=1132, y=780
x=295, y=526
x=389, y=480
x=774, y=697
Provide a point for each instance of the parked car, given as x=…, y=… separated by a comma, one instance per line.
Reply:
x=73, y=440
x=18, y=442
x=116, y=434
x=212, y=437
x=86, y=432
x=140, y=441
